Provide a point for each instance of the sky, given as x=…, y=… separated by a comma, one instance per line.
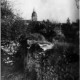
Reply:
x=54, y=10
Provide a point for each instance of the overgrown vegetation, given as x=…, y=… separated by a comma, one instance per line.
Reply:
x=61, y=62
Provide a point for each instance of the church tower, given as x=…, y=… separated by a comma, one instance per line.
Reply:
x=34, y=15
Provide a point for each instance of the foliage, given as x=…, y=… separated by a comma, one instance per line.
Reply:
x=57, y=63
x=71, y=32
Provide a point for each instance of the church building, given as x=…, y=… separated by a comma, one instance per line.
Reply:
x=34, y=16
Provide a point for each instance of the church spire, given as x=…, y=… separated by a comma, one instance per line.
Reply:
x=34, y=15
